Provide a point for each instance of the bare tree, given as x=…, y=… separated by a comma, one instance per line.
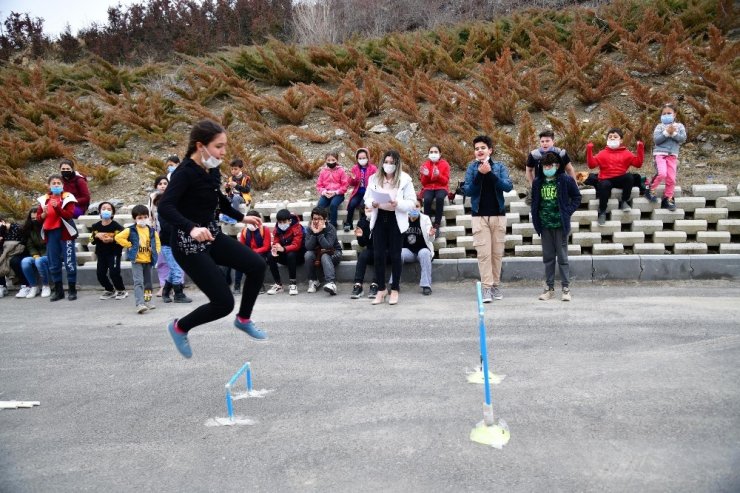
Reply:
x=316, y=22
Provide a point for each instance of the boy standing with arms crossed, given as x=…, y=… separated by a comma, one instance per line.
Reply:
x=142, y=242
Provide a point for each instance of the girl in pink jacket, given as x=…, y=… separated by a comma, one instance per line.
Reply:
x=359, y=176
x=332, y=185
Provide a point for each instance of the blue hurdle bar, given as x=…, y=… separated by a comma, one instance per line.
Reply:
x=488, y=409
x=246, y=369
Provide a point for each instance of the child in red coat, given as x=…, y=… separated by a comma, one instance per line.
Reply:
x=435, y=182
x=613, y=163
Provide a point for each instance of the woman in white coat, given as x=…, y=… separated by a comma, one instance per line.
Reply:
x=390, y=193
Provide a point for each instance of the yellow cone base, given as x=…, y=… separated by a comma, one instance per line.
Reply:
x=495, y=436
x=477, y=377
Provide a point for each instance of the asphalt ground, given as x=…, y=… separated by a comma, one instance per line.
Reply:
x=629, y=387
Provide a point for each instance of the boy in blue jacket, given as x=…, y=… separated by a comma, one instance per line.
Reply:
x=555, y=197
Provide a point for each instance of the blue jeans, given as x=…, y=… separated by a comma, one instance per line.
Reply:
x=42, y=266
x=333, y=205
x=61, y=253
x=175, y=276
x=355, y=202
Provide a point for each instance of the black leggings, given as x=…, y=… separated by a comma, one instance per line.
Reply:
x=604, y=189
x=109, y=264
x=203, y=269
x=438, y=196
x=387, y=240
x=291, y=259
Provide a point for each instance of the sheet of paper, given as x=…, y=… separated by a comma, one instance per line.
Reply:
x=381, y=197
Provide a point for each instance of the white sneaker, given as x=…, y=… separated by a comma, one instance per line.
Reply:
x=107, y=295
x=330, y=288
x=3, y=291
x=275, y=289
x=141, y=309
x=32, y=292
x=23, y=292
x=45, y=291
x=293, y=290
x=313, y=286
x=121, y=295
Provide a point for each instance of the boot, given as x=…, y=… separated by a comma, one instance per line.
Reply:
x=166, y=292
x=72, y=292
x=179, y=295
x=58, y=292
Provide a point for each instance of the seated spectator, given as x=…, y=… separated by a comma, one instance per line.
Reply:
x=332, y=185
x=12, y=252
x=259, y=240
x=36, y=262
x=322, y=249
x=358, y=179
x=418, y=247
x=287, y=249
x=435, y=182
x=364, y=257
x=238, y=186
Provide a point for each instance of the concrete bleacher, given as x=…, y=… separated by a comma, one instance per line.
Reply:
x=706, y=221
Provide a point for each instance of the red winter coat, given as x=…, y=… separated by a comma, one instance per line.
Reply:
x=614, y=162
x=292, y=238
x=266, y=240
x=430, y=181
x=77, y=186
x=64, y=208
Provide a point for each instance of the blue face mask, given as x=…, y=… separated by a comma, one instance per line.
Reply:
x=106, y=214
x=414, y=213
x=550, y=172
x=170, y=169
x=666, y=119
x=56, y=190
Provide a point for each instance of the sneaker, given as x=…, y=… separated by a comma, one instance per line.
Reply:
x=140, y=309
x=150, y=306
x=487, y=295
x=107, y=295
x=23, y=292
x=373, y=291
x=347, y=227
x=602, y=218
x=32, y=292
x=547, y=294
x=357, y=291
x=671, y=204
x=237, y=290
x=426, y=291
x=121, y=295
x=496, y=293
x=147, y=295
x=313, y=286
x=330, y=288
x=566, y=294
x=45, y=291
x=651, y=196
x=250, y=329
x=275, y=289
x=625, y=206
x=3, y=291
x=181, y=340
x=293, y=289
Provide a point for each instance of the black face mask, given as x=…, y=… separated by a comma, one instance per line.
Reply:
x=68, y=175
x=331, y=165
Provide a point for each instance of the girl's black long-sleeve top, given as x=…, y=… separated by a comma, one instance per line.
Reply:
x=193, y=198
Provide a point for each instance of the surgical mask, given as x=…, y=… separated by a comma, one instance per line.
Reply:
x=362, y=162
x=211, y=162
x=414, y=213
x=56, y=190
x=251, y=227
x=434, y=157
x=142, y=222
x=331, y=165
x=170, y=169
x=666, y=119
x=283, y=226
x=550, y=172
x=613, y=144
x=389, y=168
x=68, y=175
x=106, y=214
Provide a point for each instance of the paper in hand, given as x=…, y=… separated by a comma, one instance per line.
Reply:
x=380, y=197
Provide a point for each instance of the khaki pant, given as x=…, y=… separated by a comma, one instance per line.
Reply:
x=489, y=240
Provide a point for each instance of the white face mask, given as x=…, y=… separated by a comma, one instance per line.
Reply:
x=211, y=162
x=389, y=168
x=283, y=226
x=613, y=144
x=251, y=227
x=142, y=222
x=434, y=157
x=362, y=162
